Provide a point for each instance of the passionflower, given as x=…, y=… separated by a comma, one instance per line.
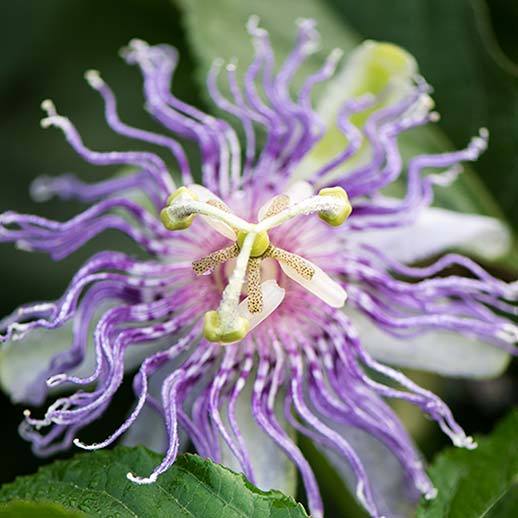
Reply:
x=272, y=281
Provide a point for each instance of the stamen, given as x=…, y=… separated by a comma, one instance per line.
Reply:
x=219, y=204
x=255, y=295
x=182, y=208
x=332, y=204
x=207, y=264
x=299, y=264
x=276, y=205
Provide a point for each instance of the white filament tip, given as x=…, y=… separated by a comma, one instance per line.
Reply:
x=137, y=43
x=141, y=480
x=94, y=79
x=56, y=380
x=464, y=441
x=24, y=246
x=253, y=22
x=40, y=190
x=232, y=66
x=49, y=107
x=83, y=446
x=431, y=494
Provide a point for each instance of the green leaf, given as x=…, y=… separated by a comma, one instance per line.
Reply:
x=474, y=483
x=96, y=484
x=25, y=509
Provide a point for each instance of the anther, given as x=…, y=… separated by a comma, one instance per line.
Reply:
x=219, y=204
x=300, y=265
x=276, y=205
x=255, y=295
x=94, y=79
x=207, y=264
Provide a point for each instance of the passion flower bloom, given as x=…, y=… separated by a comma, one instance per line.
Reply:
x=261, y=305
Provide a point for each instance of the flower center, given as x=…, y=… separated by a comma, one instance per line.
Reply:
x=234, y=317
x=260, y=244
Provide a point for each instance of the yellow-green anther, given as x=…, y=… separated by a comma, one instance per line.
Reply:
x=168, y=220
x=213, y=331
x=336, y=218
x=261, y=242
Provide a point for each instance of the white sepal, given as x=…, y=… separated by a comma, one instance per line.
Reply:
x=435, y=231
x=444, y=352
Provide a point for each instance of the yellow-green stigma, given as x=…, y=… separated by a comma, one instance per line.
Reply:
x=261, y=242
x=335, y=219
x=213, y=331
x=168, y=220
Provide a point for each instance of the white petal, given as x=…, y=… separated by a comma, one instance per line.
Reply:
x=23, y=361
x=220, y=227
x=386, y=476
x=148, y=430
x=298, y=191
x=272, y=469
x=320, y=285
x=202, y=192
x=205, y=195
x=444, y=352
x=273, y=295
x=437, y=230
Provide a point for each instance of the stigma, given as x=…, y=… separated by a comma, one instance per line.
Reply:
x=238, y=314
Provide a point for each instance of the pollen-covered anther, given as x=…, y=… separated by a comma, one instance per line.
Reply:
x=337, y=216
x=208, y=263
x=213, y=330
x=299, y=264
x=169, y=220
x=219, y=204
x=255, y=295
x=276, y=205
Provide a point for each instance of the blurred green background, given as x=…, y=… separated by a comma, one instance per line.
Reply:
x=467, y=49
